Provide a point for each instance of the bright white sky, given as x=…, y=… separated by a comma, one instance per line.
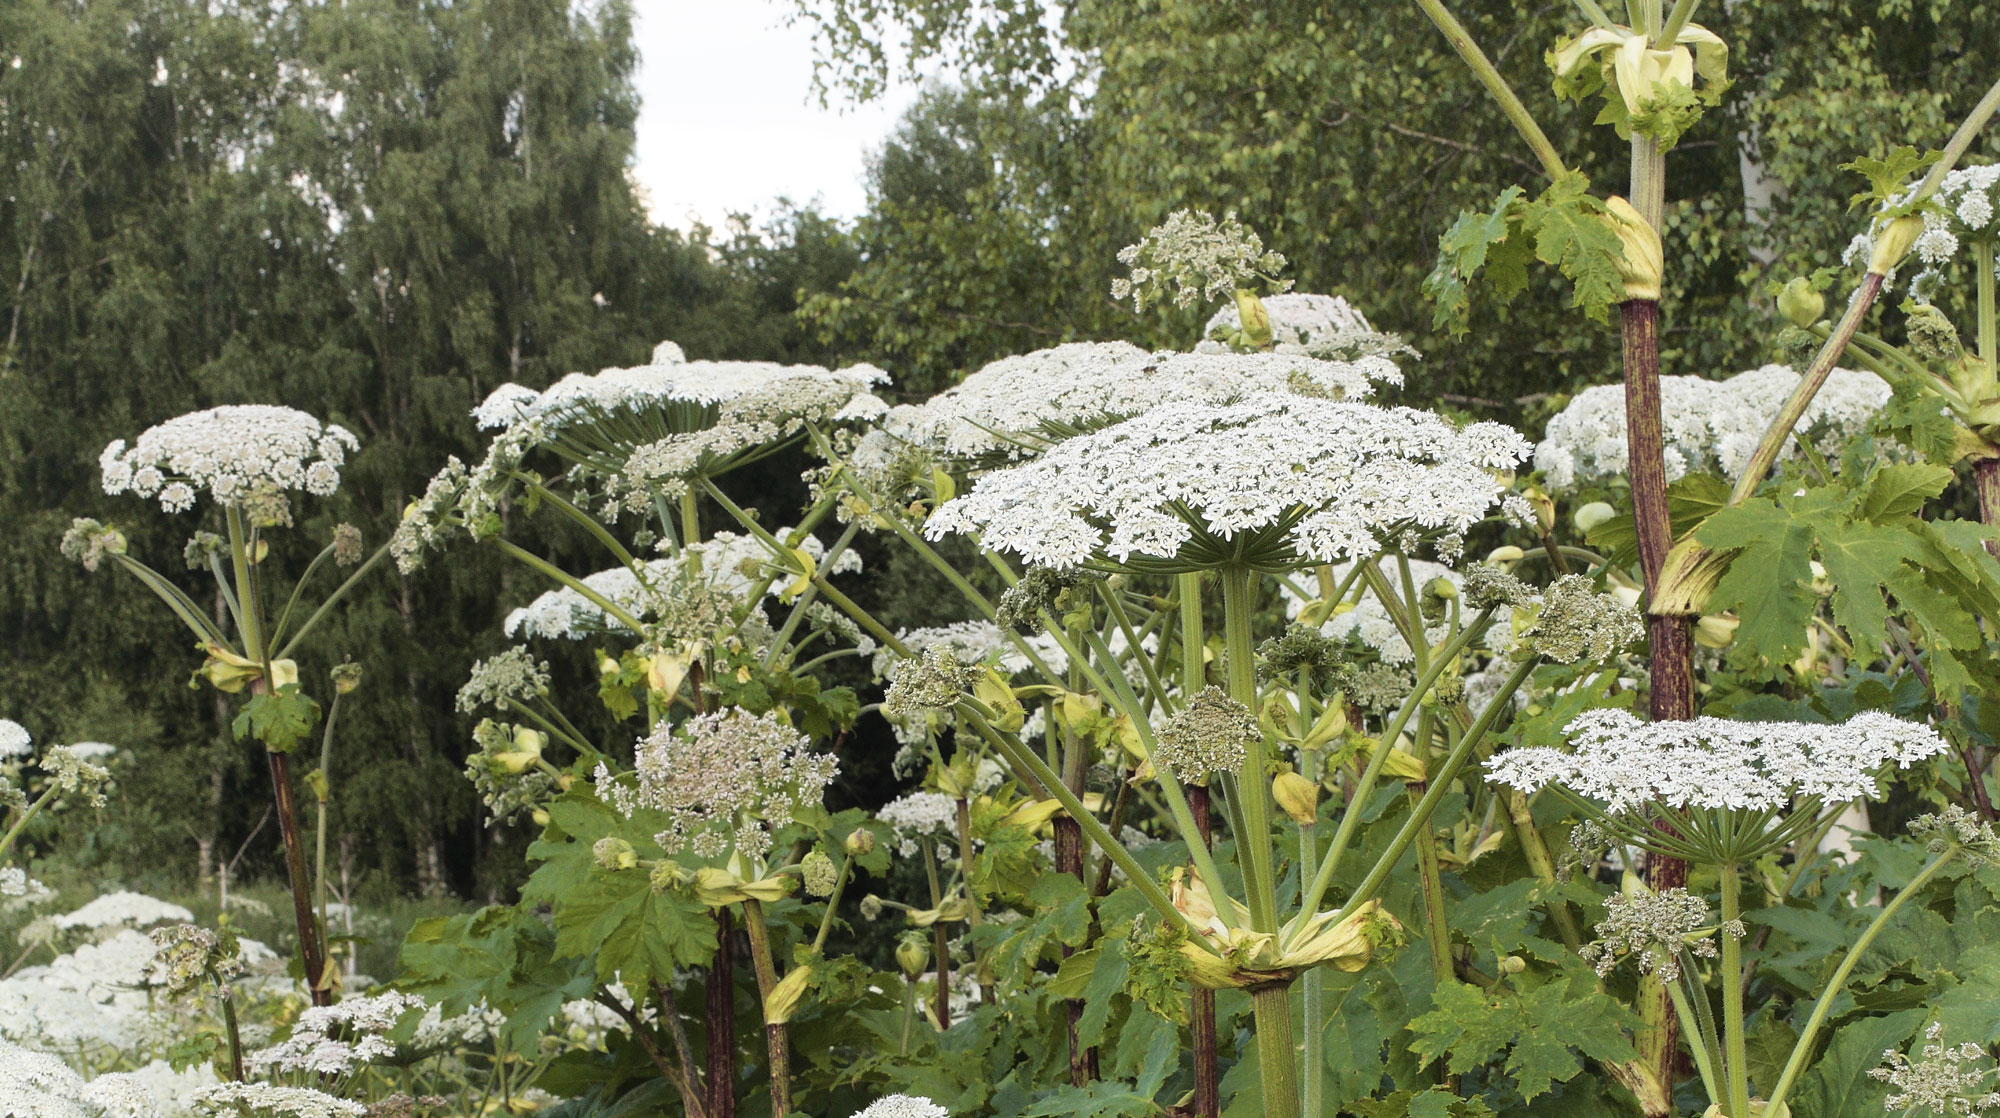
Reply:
x=728, y=119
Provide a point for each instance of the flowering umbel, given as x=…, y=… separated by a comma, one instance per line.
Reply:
x=724, y=780
x=1193, y=256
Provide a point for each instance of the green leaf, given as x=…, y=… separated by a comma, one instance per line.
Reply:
x=1902, y=489
x=1468, y=1025
x=1886, y=176
x=281, y=719
x=1462, y=252
x=1571, y=234
x=1768, y=582
x=636, y=934
x=1558, y=1020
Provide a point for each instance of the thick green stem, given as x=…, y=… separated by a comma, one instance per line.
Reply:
x=1735, y=1054
x=611, y=609
x=1437, y=931
x=235, y=1036
x=1780, y=431
x=1982, y=264
x=323, y=792
x=939, y=942
x=775, y=1043
x=1691, y=1026
x=21, y=824
x=1271, y=1012
x=1496, y=85
x=1254, y=854
x=1676, y=20
x=332, y=599
x=1201, y=1033
x=1803, y=1048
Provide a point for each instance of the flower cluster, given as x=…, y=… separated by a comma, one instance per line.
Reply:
x=669, y=378
x=1193, y=256
x=1708, y=425
x=15, y=741
x=124, y=910
x=735, y=565
x=190, y=955
x=1297, y=319
x=427, y=516
x=511, y=675
x=338, y=1040
x=970, y=643
x=902, y=1106
x=234, y=452
x=919, y=815
x=1653, y=929
x=267, y=1100
x=721, y=779
x=1716, y=763
x=1267, y=481
x=1574, y=622
x=1957, y=829
x=1017, y=404
x=1963, y=209
x=87, y=542
x=1213, y=733
x=934, y=679
x=1948, y=1079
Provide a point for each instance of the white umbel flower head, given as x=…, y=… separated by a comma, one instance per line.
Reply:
x=919, y=815
x=1018, y=404
x=724, y=779
x=15, y=740
x=733, y=564
x=1297, y=318
x=668, y=379
x=125, y=909
x=902, y=1106
x=1271, y=482
x=36, y=1085
x=268, y=1100
x=1716, y=763
x=233, y=452
x=1709, y=426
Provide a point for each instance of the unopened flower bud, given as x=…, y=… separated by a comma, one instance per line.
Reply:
x=1255, y=320
x=607, y=666
x=871, y=907
x=346, y=677
x=1507, y=554
x=1298, y=796
x=1513, y=964
x=1591, y=515
x=818, y=873
x=613, y=853
x=1716, y=630
x=911, y=954
x=860, y=843
x=1799, y=303
x=541, y=816
x=1892, y=243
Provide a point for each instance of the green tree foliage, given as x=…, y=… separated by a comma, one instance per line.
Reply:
x=376, y=212
x=1352, y=138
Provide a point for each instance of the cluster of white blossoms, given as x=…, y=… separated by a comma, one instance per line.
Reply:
x=16, y=885
x=154, y=1090
x=233, y=452
x=15, y=741
x=124, y=909
x=1191, y=256
x=92, y=1002
x=1017, y=404
x=1964, y=209
x=268, y=1100
x=920, y=815
x=1716, y=763
x=36, y=1085
x=736, y=565
x=724, y=778
x=970, y=643
x=1947, y=1079
x=902, y=1106
x=1297, y=319
x=1327, y=480
x=669, y=378
x=1708, y=426
x=335, y=1041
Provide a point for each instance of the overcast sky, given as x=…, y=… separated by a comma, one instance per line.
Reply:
x=728, y=119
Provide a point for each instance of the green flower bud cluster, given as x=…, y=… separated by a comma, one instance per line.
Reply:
x=1212, y=733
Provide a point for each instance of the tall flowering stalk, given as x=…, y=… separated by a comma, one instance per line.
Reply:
x=1722, y=794
x=248, y=460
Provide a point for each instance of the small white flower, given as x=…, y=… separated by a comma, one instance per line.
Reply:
x=14, y=740
x=231, y=451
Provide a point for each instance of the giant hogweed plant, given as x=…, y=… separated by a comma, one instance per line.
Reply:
x=249, y=462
